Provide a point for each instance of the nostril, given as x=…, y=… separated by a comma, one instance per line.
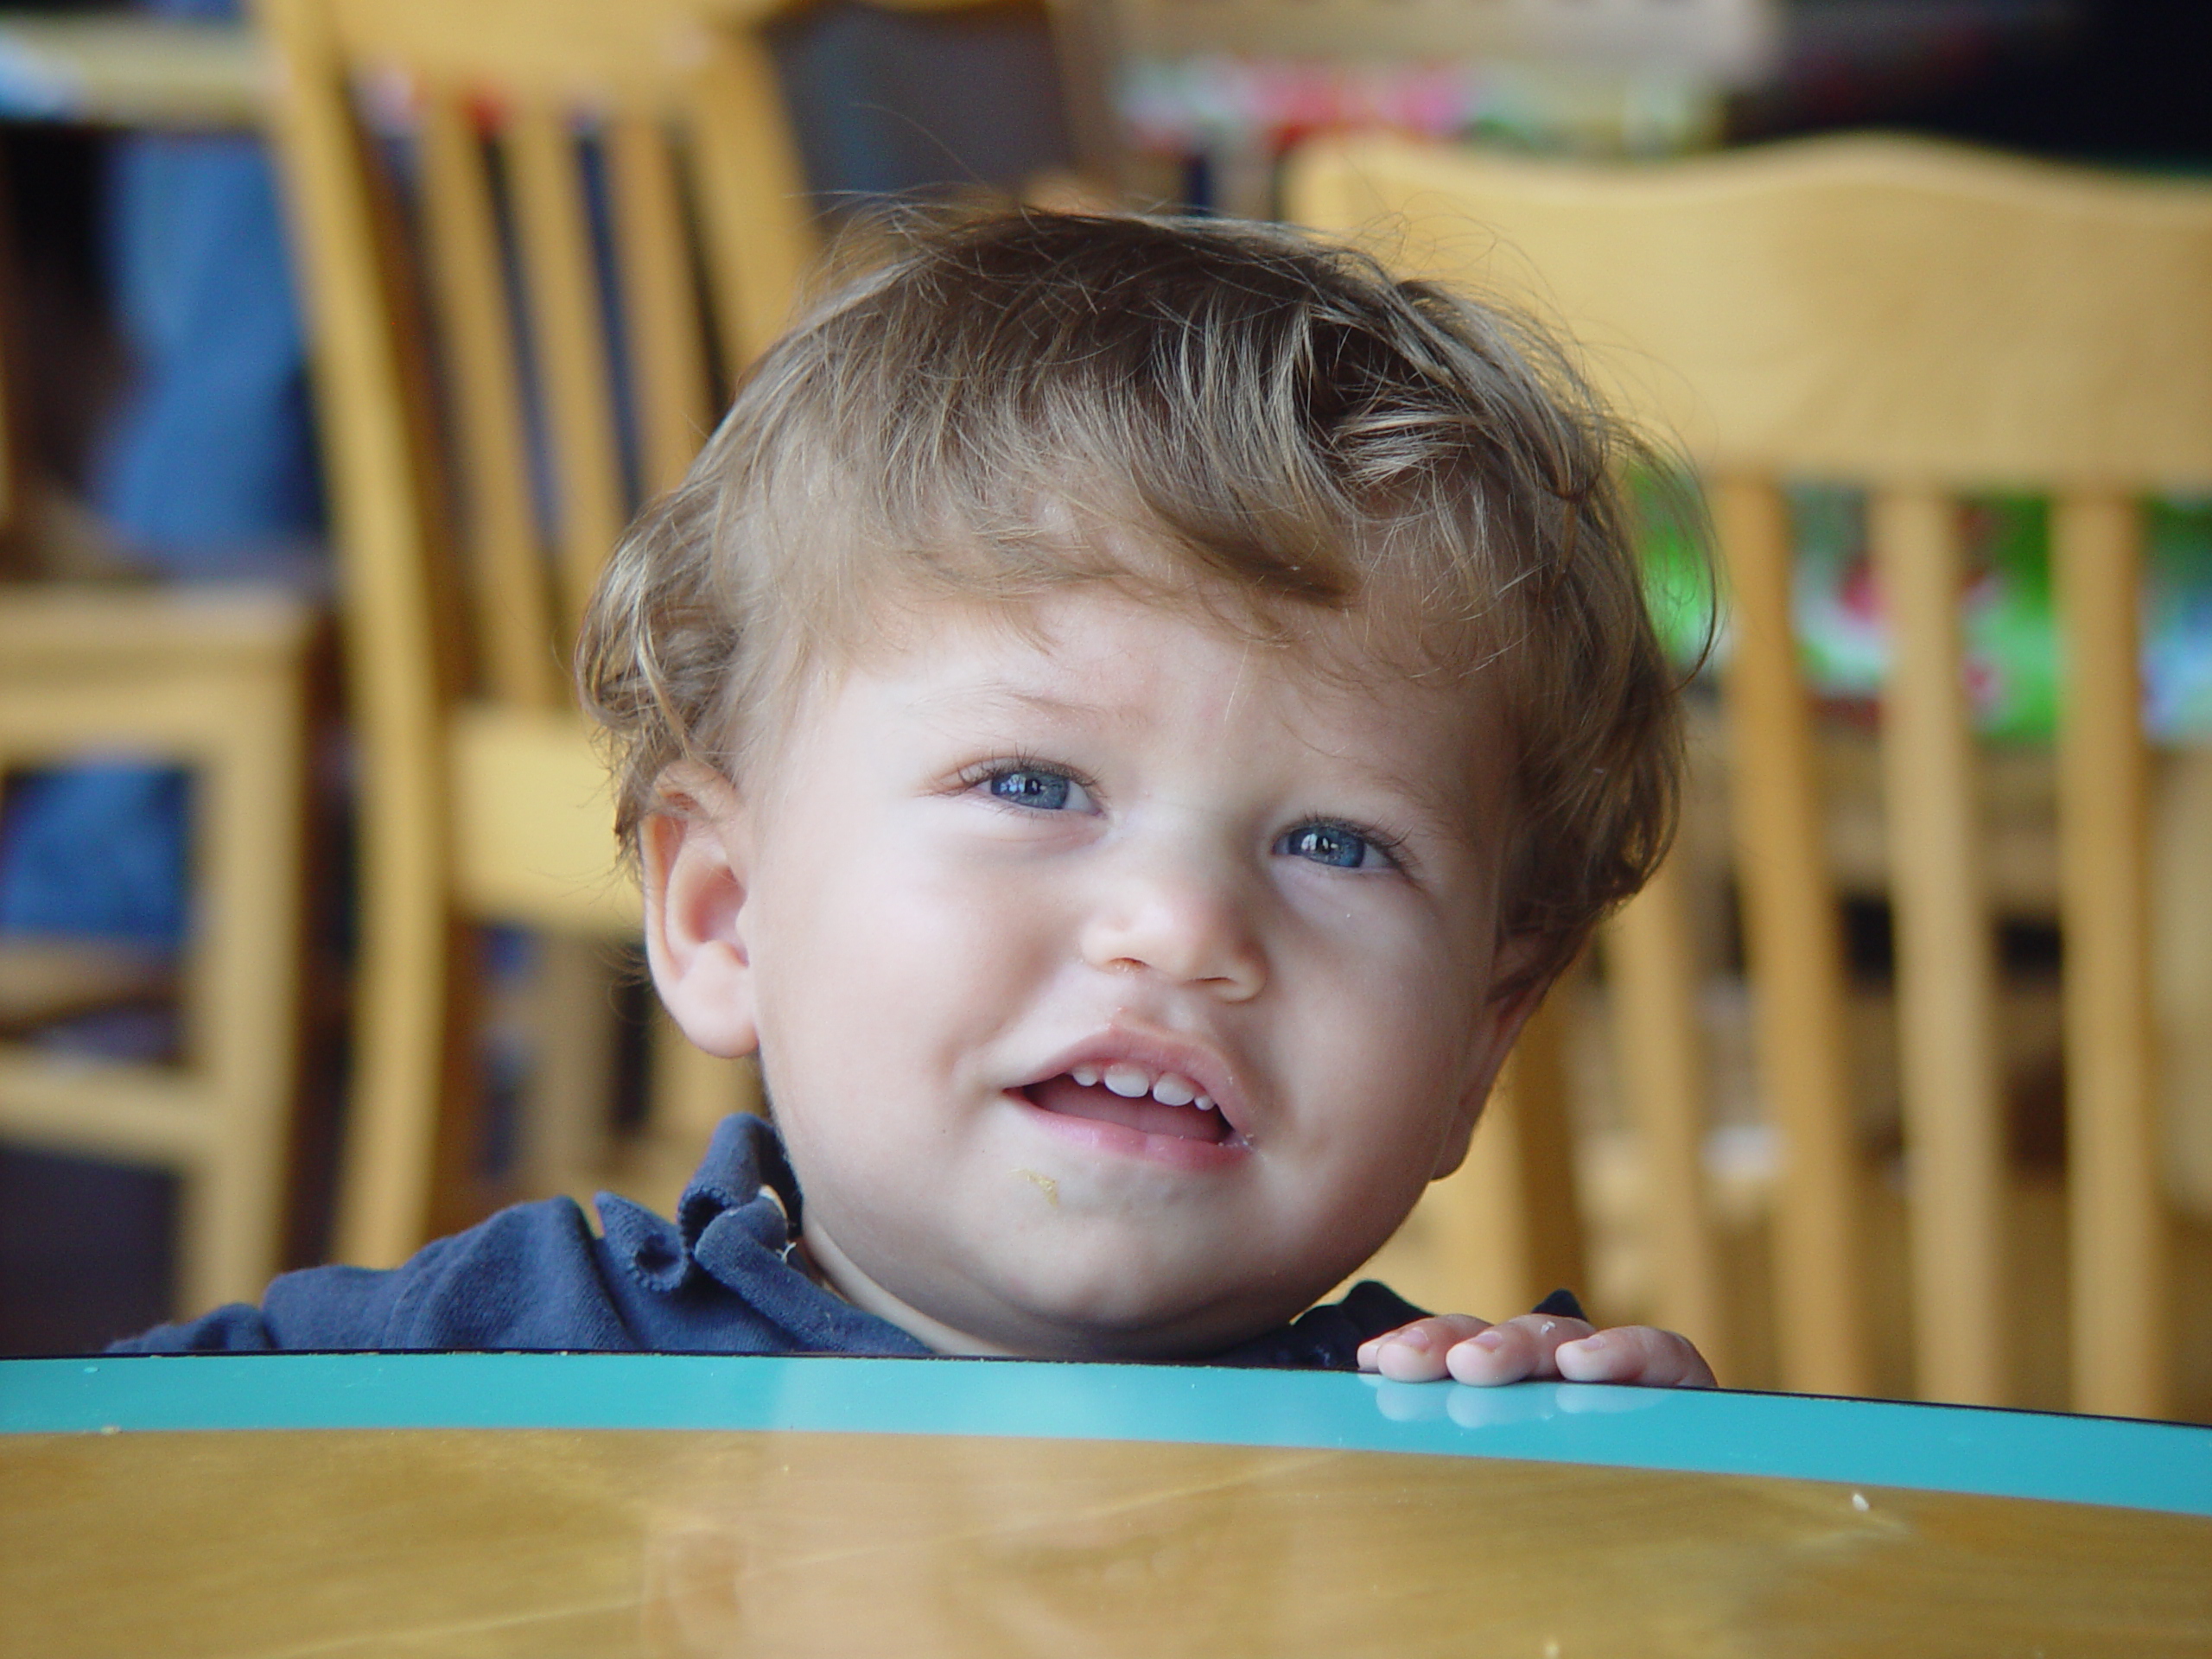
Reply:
x=1208, y=943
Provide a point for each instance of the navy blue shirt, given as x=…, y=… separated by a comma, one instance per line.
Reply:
x=713, y=1281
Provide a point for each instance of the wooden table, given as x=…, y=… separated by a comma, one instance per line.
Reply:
x=539, y=1504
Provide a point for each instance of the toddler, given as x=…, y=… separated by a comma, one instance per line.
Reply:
x=1125, y=717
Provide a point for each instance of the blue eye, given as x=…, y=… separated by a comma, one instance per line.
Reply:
x=1332, y=844
x=1030, y=786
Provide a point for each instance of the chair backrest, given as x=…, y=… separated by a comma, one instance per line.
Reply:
x=540, y=241
x=1647, y=36
x=573, y=199
x=1920, y=321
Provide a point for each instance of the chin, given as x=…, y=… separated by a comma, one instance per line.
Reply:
x=1105, y=1321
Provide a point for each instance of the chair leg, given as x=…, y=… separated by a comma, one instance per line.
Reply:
x=401, y=1038
x=243, y=999
x=1653, y=971
x=2180, y=917
x=694, y=1091
x=1510, y=1224
x=567, y=1100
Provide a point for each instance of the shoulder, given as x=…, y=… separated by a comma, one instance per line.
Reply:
x=526, y=1278
x=531, y=1276
x=713, y=1280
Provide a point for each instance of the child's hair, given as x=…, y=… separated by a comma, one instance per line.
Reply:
x=1227, y=415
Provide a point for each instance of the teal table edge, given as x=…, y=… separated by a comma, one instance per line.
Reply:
x=2160, y=1466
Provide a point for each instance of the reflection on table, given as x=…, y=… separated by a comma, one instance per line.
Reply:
x=635, y=1541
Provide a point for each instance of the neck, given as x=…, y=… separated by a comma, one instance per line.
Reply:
x=835, y=1270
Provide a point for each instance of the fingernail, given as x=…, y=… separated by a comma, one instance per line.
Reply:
x=1595, y=1340
x=1418, y=1340
x=1491, y=1338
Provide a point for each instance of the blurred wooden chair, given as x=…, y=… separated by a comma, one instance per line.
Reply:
x=540, y=241
x=1922, y=321
x=213, y=680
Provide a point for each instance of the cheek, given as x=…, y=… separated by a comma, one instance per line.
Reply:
x=883, y=953
x=1387, y=1020
x=1395, y=962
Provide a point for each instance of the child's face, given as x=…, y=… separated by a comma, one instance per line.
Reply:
x=1005, y=901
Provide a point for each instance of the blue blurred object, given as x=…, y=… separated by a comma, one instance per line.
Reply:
x=98, y=849
x=208, y=471
x=886, y=104
x=211, y=460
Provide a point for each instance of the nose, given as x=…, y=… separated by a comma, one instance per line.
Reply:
x=1186, y=921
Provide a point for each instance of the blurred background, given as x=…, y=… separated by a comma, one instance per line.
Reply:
x=162, y=438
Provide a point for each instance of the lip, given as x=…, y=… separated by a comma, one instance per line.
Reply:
x=1157, y=1053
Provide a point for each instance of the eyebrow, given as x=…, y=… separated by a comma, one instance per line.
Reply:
x=1449, y=809
x=989, y=694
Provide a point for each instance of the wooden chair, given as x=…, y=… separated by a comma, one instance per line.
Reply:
x=213, y=680
x=1922, y=320
x=625, y=172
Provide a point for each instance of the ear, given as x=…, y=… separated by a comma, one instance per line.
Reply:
x=694, y=852
x=1499, y=1022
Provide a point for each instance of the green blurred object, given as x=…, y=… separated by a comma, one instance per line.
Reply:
x=2010, y=634
x=1678, y=568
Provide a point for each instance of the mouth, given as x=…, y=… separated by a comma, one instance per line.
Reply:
x=1135, y=1097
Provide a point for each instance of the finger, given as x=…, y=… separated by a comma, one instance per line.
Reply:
x=1414, y=1353
x=1514, y=1351
x=1635, y=1353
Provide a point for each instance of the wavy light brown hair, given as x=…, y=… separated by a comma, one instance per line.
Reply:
x=1002, y=404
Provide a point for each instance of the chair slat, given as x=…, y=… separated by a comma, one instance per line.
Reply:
x=1946, y=970
x=566, y=1122
x=569, y=334
x=1552, y=1225
x=694, y=1091
x=1794, y=944
x=753, y=198
x=513, y=611
x=2123, y=1346
x=1652, y=977
x=668, y=349
x=1511, y=1228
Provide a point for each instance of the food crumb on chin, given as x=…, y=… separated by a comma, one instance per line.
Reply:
x=1044, y=1184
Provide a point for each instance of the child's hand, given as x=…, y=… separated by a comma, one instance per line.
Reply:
x=1535, y=1346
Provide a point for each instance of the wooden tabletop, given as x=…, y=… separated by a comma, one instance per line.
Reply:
x=1025, y=1538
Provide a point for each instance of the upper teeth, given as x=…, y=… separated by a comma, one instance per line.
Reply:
x=1133, y=1082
